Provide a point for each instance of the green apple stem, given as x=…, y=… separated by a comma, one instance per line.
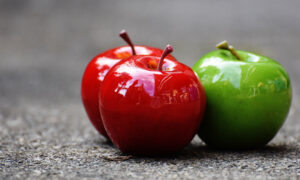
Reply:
x=167, y=51
x=126, y=38
x=224, y=45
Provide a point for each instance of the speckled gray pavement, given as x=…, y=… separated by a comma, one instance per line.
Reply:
x=45, y=46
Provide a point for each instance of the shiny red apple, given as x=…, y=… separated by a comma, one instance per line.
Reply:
x=96, y=71
x=151, y=105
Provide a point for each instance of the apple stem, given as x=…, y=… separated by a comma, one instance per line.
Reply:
x=126, y=38
x=224, y=45
x=167, y=51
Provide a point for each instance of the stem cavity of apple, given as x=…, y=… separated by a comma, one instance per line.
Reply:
x=125, y=37
x=224, y=45
x=167, y=51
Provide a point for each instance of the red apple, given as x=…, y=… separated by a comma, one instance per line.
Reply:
x=151, y=105
x=96, y=71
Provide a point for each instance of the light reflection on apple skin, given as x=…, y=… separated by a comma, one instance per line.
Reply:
x=125, y=50
x=103, y=65
x=240, y=74
x=247, y=100
x=153, y=82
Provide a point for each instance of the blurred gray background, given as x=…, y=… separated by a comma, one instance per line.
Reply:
x=46, y=45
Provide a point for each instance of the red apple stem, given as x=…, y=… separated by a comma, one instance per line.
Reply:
x=166, y=52
x=126, y=38
x=224, y=45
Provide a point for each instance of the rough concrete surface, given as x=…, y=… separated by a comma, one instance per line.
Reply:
x=45, y=46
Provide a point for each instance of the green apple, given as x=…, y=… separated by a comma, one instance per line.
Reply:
x=248, y=98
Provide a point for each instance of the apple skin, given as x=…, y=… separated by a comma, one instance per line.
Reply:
x=95, y=73
x=247, y=100
x=150, y=112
